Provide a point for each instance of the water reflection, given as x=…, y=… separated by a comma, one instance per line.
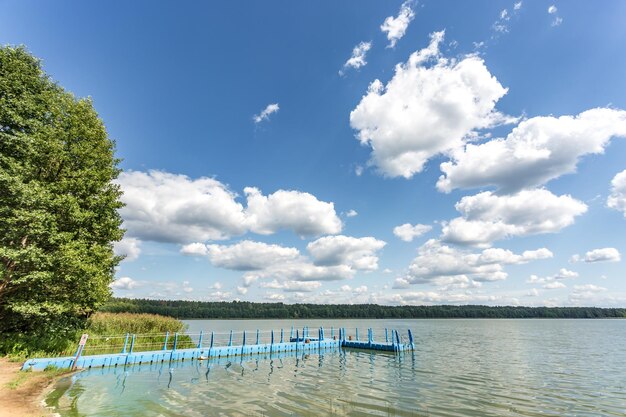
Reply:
x=460, y=368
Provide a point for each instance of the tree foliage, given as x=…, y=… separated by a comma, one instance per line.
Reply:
x=58, y=205
x=248, y=310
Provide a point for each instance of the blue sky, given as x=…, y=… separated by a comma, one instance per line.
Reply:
x=373, y=151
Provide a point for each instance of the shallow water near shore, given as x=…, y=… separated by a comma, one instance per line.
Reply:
x=459, y=368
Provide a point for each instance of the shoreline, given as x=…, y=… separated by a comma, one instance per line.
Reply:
x=27, y=398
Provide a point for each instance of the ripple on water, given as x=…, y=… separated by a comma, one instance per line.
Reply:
x=460, y=368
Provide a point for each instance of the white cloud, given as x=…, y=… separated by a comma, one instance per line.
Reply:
x=589, y=287
x=553, y=282
x=557, y=21
x=395, y=27
x=536, y=151
x=602, y=255
x=265, y=114
x=357, y=60
x=487, y=217
x=292, y=286
x=425, y=111
x=617, y=199
x=552, y=9
x=352, y=213
x=243, y=256
x=298, y=211
x=125, y=283
x=436, y=297
x=554, y=285
x=533, y=292
x=242, y=290
x=436, y=263
x=166, y=207
x=407, y=232
x=274, y=297
x=129, y=247
x=301, y=270
x=357, y=253
x=517, y=5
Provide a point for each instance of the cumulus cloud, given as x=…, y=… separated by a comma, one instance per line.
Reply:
x=487, y=217
x=357, y=60
x=426, y=110
x=553, y=282
x=436, y=297
x=243, y=256
x=395, y=27
x=128, y=247
x=292, y=286
x=557, y=19
x=517, y=5
x=334, y=259
x=125, y=283
x=357, y=253
x=352, y=213
x=265, y=113
x=617, y=199
x=407, y=232
x=536, y=151
x=437, y=263
x=167, y=207
x=602, y=255
x=298, y=211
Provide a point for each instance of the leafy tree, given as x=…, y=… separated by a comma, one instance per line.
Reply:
x=58, y=205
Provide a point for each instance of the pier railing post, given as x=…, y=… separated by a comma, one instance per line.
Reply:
x=200, y=340
x=332, y=332
x=175, y=341
x=282, y=335
x=386, y=335
x=167, y=336
x=257, y=336
x=230, y=339
x=357, y=333
x=211, y=345
x=132, y=345
x=291, y=334
x=297, y=338
x=398, y=341
x=243, y=344
x=125, y=343
x=411, y=340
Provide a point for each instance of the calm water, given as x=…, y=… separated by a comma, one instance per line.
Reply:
x=459, y=368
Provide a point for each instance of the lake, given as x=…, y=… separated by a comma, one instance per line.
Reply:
x=474, y=367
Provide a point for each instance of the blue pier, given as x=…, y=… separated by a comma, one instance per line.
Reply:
x=138, y=353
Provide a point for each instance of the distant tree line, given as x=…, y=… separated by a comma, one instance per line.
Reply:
x=249, y=310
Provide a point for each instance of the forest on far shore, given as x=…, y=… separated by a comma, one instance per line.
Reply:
x=248, y=310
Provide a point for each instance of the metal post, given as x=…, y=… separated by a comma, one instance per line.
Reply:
x=230, y=339
x=398, y=339
x=132, y=345
x=282, y=335
x=357, y=333
x=332, y=332
x=175, y=341
x=244, y=338
x=411, y=340
x=272, y=341
x=211, y=347
x=167, y=336
x=257, y=336
x=297, y=338
x=386, y=335
x=291, y=334
x=125, y=343
x=200, y=340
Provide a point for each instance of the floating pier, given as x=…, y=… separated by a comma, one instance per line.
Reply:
x=102, y=351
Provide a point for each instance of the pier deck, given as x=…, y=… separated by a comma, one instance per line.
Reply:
x=129, y=355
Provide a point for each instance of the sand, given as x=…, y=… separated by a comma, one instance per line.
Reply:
x=27, y=399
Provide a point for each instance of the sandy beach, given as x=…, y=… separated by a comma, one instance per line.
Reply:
x=26, y=400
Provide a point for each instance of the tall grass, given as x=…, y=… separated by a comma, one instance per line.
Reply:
x=105, y=324
x=107, y=334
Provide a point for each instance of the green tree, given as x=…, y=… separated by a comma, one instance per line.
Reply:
x=58, y=205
